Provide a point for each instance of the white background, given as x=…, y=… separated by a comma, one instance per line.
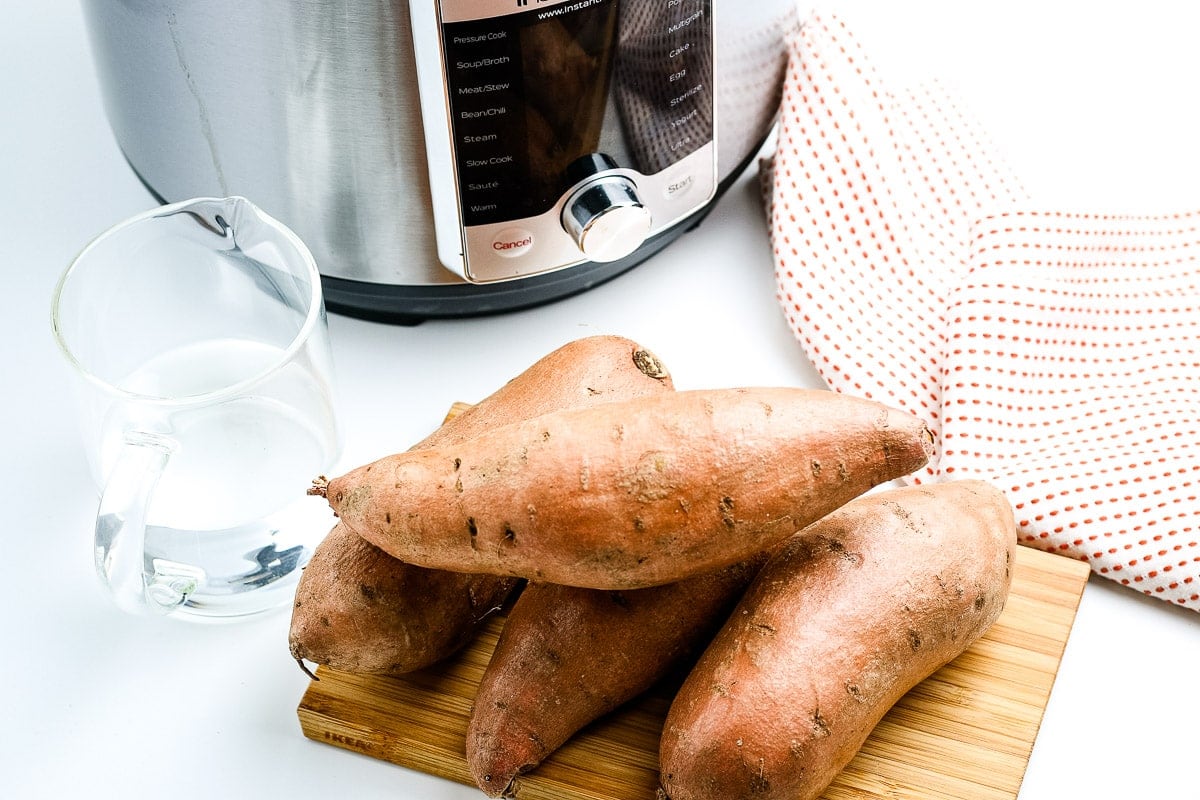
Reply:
x=1092, y=103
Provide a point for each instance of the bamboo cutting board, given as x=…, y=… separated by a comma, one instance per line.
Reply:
x=965, y=732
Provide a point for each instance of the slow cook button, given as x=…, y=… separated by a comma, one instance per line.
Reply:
x=512, y=242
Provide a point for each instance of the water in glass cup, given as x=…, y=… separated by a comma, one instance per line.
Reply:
x=198, y=340
x=239, y=469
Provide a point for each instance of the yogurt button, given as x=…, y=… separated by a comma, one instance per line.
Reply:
x=512, y=242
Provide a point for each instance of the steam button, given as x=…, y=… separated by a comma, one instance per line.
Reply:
x=606, y=218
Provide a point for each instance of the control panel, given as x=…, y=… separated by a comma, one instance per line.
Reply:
x=573, y=129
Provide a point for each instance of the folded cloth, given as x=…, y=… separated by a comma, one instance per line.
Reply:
x=1054, y=354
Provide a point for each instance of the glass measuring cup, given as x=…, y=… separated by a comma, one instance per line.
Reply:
x=198, y=341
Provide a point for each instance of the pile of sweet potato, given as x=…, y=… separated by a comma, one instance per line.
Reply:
x=634, y=531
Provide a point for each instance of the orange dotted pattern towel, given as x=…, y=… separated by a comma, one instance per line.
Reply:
x=1056, y=355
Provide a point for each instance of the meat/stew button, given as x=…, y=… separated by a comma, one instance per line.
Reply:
x=512, y=242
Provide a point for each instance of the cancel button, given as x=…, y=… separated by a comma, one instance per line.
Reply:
x=512, y=242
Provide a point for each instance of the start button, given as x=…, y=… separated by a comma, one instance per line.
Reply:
x=512, y=242
x=679, y=184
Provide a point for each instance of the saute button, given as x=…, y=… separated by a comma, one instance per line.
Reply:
x=512, y=242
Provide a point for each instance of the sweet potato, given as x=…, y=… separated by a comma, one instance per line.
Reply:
x=634, y=493
x=844, y=619
x=359, y=609
x=568, y=655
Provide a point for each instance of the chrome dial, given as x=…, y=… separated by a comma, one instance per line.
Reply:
x=607, y=218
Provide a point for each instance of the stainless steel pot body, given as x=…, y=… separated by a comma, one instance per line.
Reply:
x=314, y=111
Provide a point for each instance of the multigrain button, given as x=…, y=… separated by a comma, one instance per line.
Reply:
x=512, y=242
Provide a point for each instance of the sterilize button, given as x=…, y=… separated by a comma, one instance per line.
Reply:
x=512, y=242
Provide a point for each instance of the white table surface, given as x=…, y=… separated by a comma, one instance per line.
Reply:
x=1093, y=103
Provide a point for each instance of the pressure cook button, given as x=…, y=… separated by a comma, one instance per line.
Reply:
x=512, y=242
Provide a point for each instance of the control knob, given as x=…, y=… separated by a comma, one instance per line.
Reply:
x=606, y=218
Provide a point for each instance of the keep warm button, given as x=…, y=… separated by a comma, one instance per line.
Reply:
x=512, y=242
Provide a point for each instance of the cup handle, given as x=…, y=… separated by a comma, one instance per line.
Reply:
x=136, y=582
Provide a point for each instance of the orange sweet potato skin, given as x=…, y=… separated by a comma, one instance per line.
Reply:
x=635, y=493
x=568, y=655
x=359, y=609
x=843, y=620
x=580, y=374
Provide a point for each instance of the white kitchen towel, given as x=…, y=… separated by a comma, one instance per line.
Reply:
x=1055, y=354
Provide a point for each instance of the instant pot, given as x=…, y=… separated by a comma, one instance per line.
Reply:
x=448, y=158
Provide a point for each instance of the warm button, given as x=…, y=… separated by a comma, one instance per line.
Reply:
x=512, y=242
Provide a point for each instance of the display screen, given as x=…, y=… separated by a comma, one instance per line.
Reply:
x=530, y=92
x=663, y=80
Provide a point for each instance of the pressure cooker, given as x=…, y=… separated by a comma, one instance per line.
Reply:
x=446, y=158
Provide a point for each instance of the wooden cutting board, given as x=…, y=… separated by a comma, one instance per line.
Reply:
x=965, y=732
